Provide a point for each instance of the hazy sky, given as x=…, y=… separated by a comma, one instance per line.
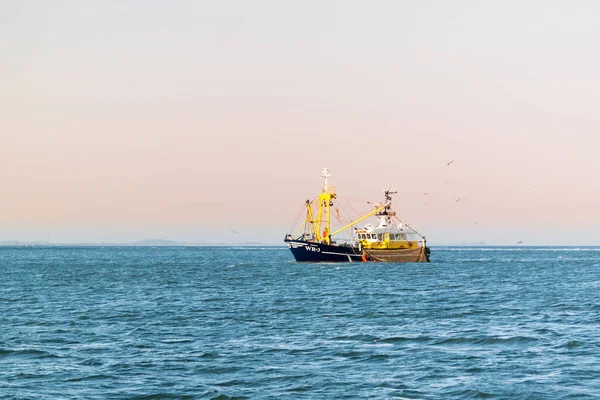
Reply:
x=125, y=120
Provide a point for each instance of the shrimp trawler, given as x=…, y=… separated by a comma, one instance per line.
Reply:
x=387, y=239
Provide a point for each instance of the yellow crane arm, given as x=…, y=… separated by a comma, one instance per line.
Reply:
x=360, y=219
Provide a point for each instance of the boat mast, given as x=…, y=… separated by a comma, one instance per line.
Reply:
x=309, y=219
x=327, y=194
x=325, y=174
x=388, y=203
x=323, y=212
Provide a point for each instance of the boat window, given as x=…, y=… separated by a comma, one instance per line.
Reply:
x=396, y=236
x=403, y=236
x=379, y=237
x=361, y=235
x=373, y=236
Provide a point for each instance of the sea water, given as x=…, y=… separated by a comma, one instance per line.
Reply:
x=248, y=322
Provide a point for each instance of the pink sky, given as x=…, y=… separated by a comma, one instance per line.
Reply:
x=182, y=120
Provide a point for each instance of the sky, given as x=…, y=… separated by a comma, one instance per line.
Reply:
x=189, y=120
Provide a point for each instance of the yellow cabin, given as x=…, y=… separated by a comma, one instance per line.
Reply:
x=386, y=240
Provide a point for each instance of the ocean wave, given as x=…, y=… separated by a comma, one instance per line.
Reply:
x=516, y=340
x=91, y=378
x=402, y=339
x=470, y=394
x=26, y=353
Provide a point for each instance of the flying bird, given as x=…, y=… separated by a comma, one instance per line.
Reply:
x=450, y=182
x=460, y=198
x=519, y=242
x=449, y=162
x=233, y=231
x=425, y=193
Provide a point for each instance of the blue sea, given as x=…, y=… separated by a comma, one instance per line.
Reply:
x=249, y=323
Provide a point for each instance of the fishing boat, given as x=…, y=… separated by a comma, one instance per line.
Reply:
x=355, y=239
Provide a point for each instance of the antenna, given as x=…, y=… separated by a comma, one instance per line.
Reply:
x=388, y=195
x=388, y=203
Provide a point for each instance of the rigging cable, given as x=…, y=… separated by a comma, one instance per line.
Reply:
x=296, y=220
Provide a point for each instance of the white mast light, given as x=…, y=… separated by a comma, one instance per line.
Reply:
x=325, y=174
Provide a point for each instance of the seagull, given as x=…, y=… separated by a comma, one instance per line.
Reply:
x=450, y=182
x=449, y=162
x=534, y=189
x=233, y=231
x=519, y=242
x=425, y=193
x=460, y=198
